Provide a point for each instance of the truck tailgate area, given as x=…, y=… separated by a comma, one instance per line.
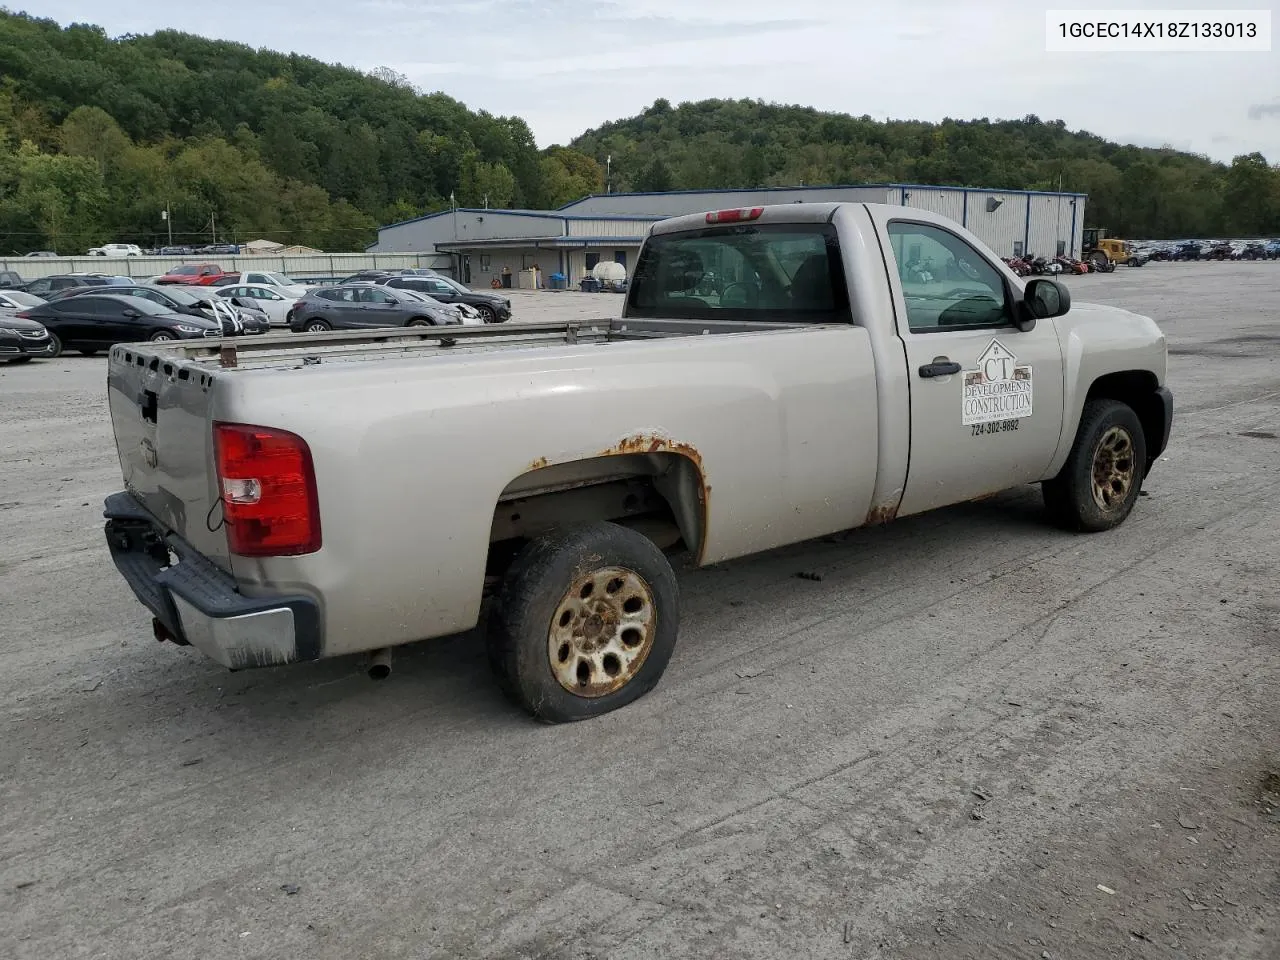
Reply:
x=161, y=417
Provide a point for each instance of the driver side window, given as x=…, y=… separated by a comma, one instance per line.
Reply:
x=947, y=285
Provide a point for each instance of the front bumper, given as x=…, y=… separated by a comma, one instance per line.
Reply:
x=23, y=346
x=195, y=602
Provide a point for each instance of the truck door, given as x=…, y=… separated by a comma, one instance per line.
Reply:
x=986, y=397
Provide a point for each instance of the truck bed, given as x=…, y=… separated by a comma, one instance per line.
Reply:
x=282, y=351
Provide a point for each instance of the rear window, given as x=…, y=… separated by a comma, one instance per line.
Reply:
x=766, y=272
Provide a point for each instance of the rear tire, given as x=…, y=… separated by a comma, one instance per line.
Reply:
x=586, y=622
x=1098, y=485
x=316, y=326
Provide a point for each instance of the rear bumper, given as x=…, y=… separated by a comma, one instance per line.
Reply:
x=197, y=603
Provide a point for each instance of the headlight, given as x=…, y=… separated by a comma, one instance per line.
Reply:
x=187, y=328
x=10, y=331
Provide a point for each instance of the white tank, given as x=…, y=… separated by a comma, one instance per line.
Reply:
x=606, y=271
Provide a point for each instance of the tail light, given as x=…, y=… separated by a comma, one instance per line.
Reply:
x=23, y=314
x=268, y=488
x=734, y=216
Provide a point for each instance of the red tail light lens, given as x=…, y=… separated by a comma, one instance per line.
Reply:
x=23, y=314
x=268, y=488
x=734, y=216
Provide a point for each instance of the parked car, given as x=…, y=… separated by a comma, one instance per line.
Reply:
x=22, y=340
x=561, y=463
x=218, y=249
x=199, y=274
x=193, y=301
x=51, y=287
x=283, y=285
x=116, y=250
x=14, y=300
x=1273, y=249
x=9, y=278
x=1252, y=251
x=1220, y=250
x=41, y=253
x=355, y=305
x=94, y=322
x=494, y=308
x=277, y=306
x=176, y=251
x=1190, y=250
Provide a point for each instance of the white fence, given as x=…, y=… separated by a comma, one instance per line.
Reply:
x=314, y=266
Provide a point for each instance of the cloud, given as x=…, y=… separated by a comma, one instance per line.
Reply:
x=1259, y=110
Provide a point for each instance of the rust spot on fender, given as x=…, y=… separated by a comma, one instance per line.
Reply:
x=537, y=464
x=656, y=443
x=885, y=513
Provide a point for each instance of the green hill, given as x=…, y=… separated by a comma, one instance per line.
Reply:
x=1133, y=191
x=98, y=135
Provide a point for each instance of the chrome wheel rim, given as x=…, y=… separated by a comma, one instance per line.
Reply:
x=1114, y=469
x=601, y=632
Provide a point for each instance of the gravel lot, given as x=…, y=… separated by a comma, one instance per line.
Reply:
x=975, y=737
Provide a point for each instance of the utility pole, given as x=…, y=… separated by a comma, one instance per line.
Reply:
x=608, y=173
x=164, y=215
x=213, y=227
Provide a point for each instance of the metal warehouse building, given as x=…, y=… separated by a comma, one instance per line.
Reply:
x=478, y=244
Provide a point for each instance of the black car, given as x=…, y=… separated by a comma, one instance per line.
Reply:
x=190, y=302
x=22, y=340
x=1253, y=251
x=94, y=322
x=49, y=287
x=492, y=307
x=355, y=305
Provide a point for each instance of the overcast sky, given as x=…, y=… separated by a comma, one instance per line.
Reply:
x=567, y=65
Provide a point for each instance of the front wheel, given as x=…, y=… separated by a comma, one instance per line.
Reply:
x=419, y=322
x=586, y=622
x=160, y=336
x=487, y=313
x=1098, y=485
x=55, y=345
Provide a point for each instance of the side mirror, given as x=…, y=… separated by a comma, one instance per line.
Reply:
x=1045, y=298
x=132, y=314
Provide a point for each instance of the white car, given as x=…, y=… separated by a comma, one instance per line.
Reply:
x=283, y=285
x=273, y=301
x=116, y=250
x=18, y=300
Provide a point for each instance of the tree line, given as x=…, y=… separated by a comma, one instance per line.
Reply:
x=99, y=135
x=1135, y=192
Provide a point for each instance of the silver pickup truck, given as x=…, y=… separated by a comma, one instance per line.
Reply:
x=778, y=374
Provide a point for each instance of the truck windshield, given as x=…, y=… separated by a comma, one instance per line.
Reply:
x=770, y=272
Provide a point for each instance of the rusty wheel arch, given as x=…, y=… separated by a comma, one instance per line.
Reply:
x=672, y=468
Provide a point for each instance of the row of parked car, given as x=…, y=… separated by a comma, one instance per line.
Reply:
x=1212, y=250
x=90, y=312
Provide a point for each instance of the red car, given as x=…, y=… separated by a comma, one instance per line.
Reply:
x=199, y=274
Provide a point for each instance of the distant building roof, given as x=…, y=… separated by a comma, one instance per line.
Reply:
x=263, y=246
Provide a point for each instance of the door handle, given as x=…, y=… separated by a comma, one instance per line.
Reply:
x=941, y=367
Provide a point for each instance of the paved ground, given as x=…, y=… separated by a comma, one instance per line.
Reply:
x=975, y=737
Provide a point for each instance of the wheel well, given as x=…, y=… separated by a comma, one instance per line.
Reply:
x=426, y=320
x=660, y=494
x=1136, y=389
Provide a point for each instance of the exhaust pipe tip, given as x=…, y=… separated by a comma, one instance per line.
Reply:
x=380, y=664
